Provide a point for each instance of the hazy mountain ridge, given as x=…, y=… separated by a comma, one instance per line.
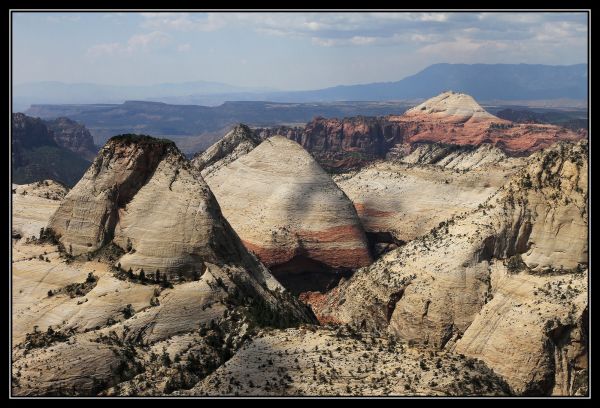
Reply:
x=484, y=82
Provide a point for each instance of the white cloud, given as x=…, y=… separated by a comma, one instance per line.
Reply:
x=432, y=33
x=135, y=43
x=184, y=21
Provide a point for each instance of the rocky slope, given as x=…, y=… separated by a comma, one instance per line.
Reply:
x=32, y=206
x=407, y=197
x=289, y=212
x=450, y=118
x=343, y=361
x=449, y=289
x=97, y=322
x=73, y=136
x=451, y=156
x=238, y=142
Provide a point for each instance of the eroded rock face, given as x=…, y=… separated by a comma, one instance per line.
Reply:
x=450, y=118
x=451, y=156
x=343, y=143
x=286, y=209
x=432, y=291
x=87, y=218
x=32, y=206
x=73, y=136
x=144, y=196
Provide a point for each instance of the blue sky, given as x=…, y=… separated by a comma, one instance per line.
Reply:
x=290, y=51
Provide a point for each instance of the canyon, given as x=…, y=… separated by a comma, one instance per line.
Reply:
x=441, y=252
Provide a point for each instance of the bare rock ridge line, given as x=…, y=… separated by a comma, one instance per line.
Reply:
x=451, y=118
x=239, y=141
x=499, y=282
x=289, y=211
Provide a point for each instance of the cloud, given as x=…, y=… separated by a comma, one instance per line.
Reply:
x=135, y=43
x=184, y=47
x=62, y=18
x=354, y=29
x=184, y=21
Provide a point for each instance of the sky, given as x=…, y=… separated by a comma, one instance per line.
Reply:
x=285, y=51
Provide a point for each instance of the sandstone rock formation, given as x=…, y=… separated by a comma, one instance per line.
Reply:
x=455, y=118
x=238, y=142
x=124, y=332
x=408, y=197
x=324, y=362
x=289, y=212
x=452, y=107
x=450, y=283
x=82, y=327
x=32, y=206
x=343, y=143
x=142, y=195
x=451, y=156
x=450, y=118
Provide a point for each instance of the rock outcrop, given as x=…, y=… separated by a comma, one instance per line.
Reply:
x=451, y=283
x=339, y=144
x=238, y=142
x=451, y=156
x=144, y=196
x=291, y=214
x=73, y=136
x=451, y=107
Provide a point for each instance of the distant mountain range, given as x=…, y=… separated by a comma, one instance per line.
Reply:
x=485, y=82
x=53, y=92
x=201, y=126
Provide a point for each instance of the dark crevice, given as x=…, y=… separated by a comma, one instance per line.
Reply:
x=382, y=242
x=391, y=305
x=303, y=274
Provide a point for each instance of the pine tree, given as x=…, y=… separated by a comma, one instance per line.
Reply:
x=142, y=275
